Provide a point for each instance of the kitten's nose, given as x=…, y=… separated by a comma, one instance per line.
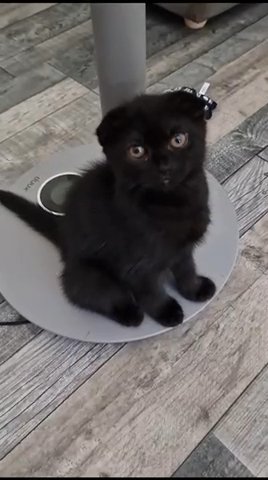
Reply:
x=164, y=166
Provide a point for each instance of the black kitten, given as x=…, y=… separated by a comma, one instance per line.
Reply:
x=136, y=216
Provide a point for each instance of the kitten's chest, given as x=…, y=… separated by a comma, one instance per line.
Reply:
x=179, y=226
x=160, y=237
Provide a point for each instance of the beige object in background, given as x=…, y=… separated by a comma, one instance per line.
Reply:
x=196, y=14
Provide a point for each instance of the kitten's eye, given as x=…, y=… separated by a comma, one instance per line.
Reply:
x=180, y=140
x=136, y=151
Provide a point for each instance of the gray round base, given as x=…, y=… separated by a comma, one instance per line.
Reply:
x=30, y=266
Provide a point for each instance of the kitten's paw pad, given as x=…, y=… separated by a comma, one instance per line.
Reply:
x=171, y=314
x=205, y=290
x=128, y=314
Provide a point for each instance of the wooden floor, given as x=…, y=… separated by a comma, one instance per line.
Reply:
x=193, y=401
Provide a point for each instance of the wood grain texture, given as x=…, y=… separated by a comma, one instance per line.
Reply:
x=239, y=146
x=39, y=377
x=50, y=49
x=77, y=61
x=228, y=55
x=169, y=393
x=244, y=276
x=19, y=424
x=236, y=45
x=69, y=126
x=41, y=26
x=76, y=408
x=4, y=76
x=162, y=29
x=191, y=75
x=211, y=459
x=252, y=262
x=244, y=429
x=240, y=72
x=248, y=189
x=12, y=337
x=72, y=51
x=264, y=153
x=255, y=245
x=35, y=108
x=240, y=88
x=252, y=97
x=199, y=42
x=14, y=12
x=35, y=379
x=15, y=90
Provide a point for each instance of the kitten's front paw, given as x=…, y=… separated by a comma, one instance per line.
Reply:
x=206, y=290
x=203, y=289
x=128, y=314
x=170, y=314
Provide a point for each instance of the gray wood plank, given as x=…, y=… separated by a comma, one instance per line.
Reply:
x=73, y=52
x=244, y=429
x=230, y=114
x=39, y=106
x=13, y=337
x=39, y=377
x=162, y=29
x=191, y=75
x=207, y=65
x=239, y=146
x=255, y=245
x=69, y=126
x=13, y=12
x=212, y=459
x=248, y=190
x=77, y=61
x=49, y=49
x=252, y=262
x=236, y=45
x=40, y=400
x=74, y=114
x=232, y=75
x=15, y=90
x=75, y=58
x=41, y=26
x=264, y=153
x=4, y=76
x=240, y=72
x=241, y=88
x=199, y=42
x=245, y=273
x=52, y=133
x=6, y=7
x=171, y=398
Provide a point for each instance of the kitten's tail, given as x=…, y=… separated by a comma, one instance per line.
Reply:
x=41, y=221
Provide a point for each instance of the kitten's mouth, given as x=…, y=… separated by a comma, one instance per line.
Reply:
x=166, y=179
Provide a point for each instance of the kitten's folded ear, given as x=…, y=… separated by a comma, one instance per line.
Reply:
x=111, y=126
x=187, y=103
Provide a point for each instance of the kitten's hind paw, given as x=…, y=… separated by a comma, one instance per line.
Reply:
x=128, y=314
x=171, y=314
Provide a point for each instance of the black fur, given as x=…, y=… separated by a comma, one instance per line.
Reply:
x=128, y=221
x=43, y=222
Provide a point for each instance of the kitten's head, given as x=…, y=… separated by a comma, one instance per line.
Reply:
x=155, y=141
